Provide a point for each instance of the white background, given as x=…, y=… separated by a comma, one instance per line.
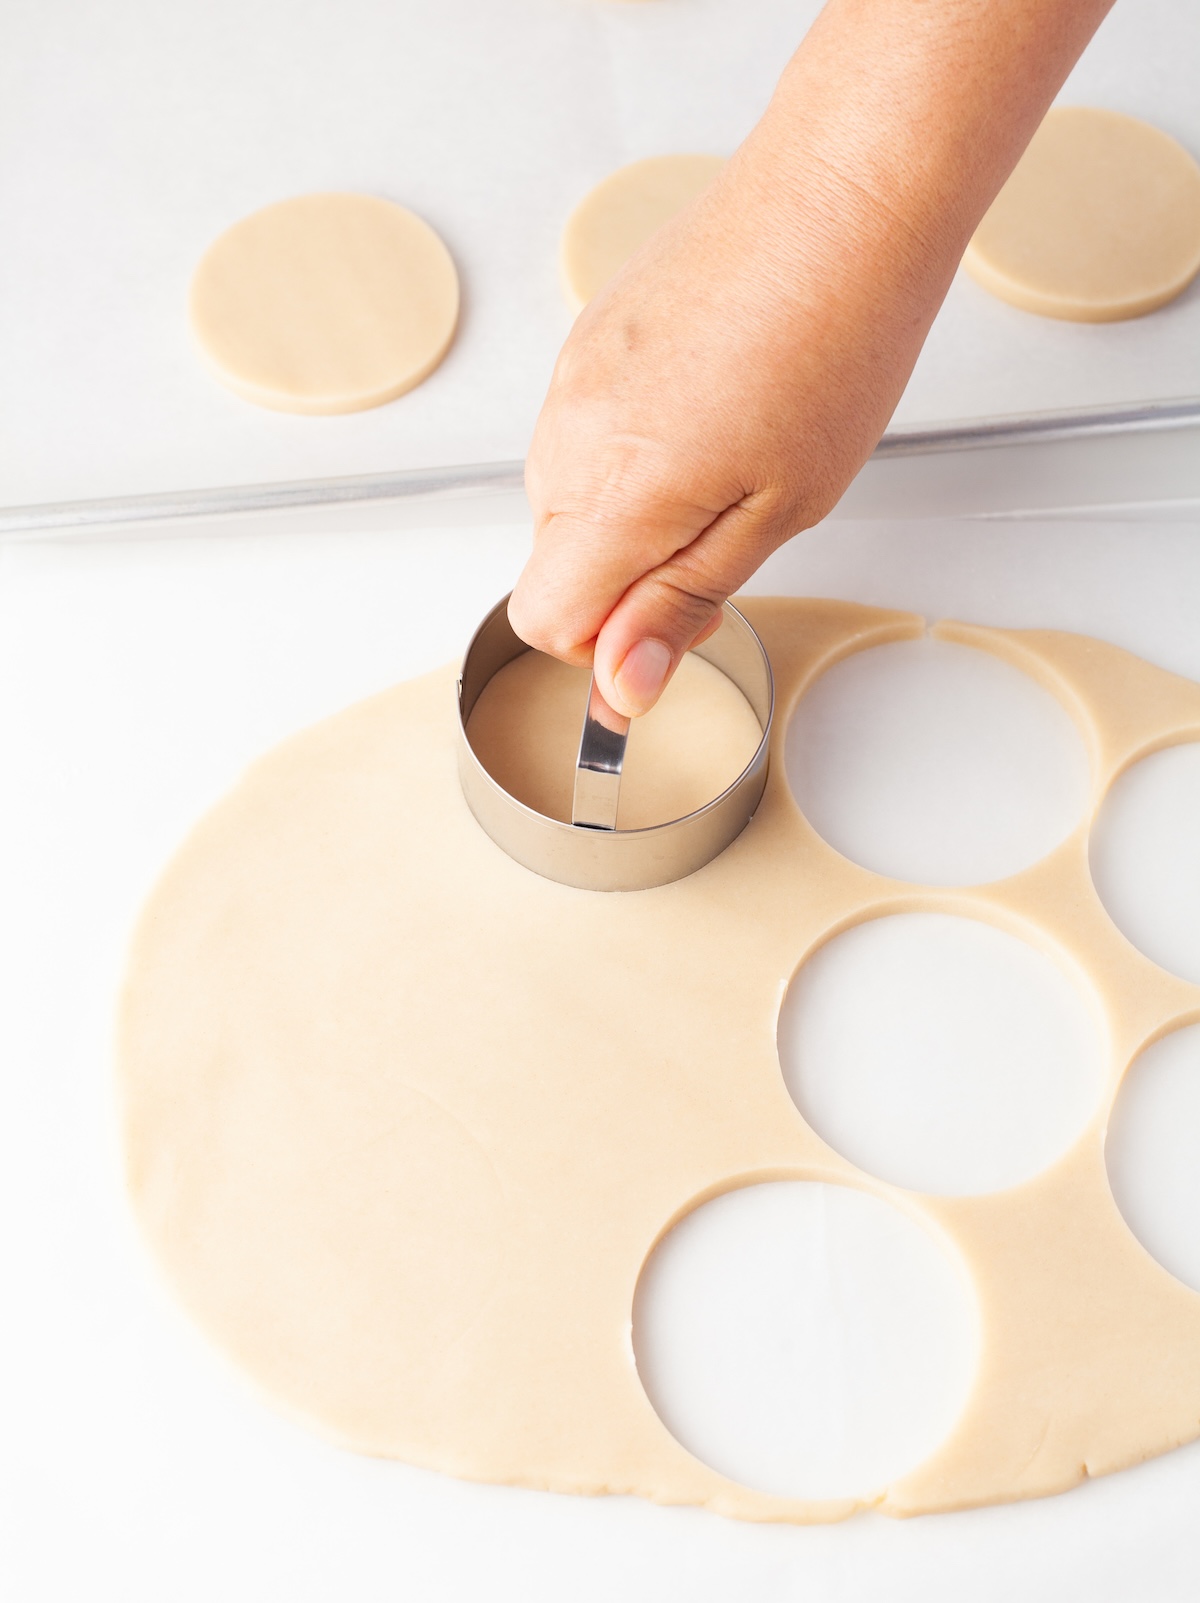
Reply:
x=132, y=133
x=135, y=681
x=137, y=678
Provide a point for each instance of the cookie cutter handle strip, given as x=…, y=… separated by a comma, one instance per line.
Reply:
x=600, y=763
x=616, y=859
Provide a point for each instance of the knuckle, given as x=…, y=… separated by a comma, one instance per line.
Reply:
x=702, y=573
x=813, y=492
x=525, y=621
x=689, y=605
x=543, y=632
x=566, y=647
x=816, y=502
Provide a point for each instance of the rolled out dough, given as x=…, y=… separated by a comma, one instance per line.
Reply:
x=391, y=1164
x=621, y=213
x=525, y=731
x=1100, y=220
x=325, y=303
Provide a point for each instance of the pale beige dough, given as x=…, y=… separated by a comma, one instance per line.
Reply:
x=525, y=731
x=391, y=1165
x=1100, y=220
x=621, y=213
x=325, y=303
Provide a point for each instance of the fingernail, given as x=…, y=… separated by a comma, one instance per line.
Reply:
x=642, y=674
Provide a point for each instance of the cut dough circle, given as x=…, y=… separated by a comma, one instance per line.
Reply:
x=325, y=303
x=1151, y=1152
x=1145, y=857
x=1100, y=220
x=688, y=749
x=732, y=1324
x=930, y=762
x=977, y=1063
x=393, y=1166
x=621, y=213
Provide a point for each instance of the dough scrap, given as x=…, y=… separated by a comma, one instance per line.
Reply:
x=391, y=1166
x=325, y=303
x=1100, y=220
x=621, y=213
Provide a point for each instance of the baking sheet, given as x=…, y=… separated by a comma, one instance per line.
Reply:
x=131, y=134
x=136, y=679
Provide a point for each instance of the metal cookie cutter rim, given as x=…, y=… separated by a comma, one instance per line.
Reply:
x=616, y=859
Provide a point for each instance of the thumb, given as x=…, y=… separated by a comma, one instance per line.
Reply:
x=674, y=607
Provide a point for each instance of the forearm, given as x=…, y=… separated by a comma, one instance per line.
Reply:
x=890, y=133
x=923, y=106
x=722, y=391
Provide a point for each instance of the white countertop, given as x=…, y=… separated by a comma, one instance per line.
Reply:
x=139, y=674
x=136, y=679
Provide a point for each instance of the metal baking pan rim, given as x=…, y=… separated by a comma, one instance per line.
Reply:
x=480, y=478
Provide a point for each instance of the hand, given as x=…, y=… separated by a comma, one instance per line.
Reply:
x=699, y=415
x=724, y=388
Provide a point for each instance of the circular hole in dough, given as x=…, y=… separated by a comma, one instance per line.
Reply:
x=942, y=1054
x=805, y=1339
x=1153, y=1152
x=1145, y=858
x=936, y=763
x=621, y=213
x=1099, y=220
x=690, y=747
x=325, y=303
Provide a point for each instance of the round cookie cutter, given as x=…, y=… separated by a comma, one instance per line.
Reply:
x=603, y=859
